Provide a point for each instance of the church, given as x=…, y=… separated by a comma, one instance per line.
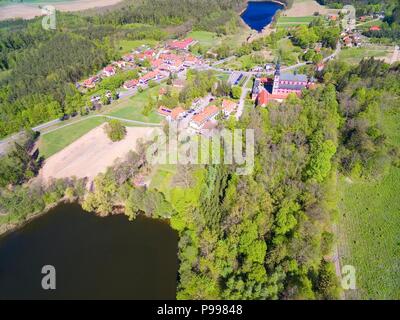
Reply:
x=279, y=87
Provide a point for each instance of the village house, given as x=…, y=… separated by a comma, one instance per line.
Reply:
x=152, y=75
x=183, y=44
x=190, y=60
x=156, y=63
x=130, y=84
x=228, y=107
x=120, y=64
x=209, y=113
x=375, y=28
x=171, y=114
x=177, y=113
x=128, y=57
x=91, y=82
x=108, y=71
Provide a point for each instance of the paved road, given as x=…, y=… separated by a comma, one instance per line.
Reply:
x=107, y=117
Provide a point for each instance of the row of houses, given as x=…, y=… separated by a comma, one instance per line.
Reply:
x=351, y=39
x=204, y=118
x=161, y=61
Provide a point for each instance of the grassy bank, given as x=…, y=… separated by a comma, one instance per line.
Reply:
x=369, y=228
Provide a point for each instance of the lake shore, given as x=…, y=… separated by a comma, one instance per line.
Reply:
x=30, y=11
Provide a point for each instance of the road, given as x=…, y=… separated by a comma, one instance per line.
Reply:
x=107, y=117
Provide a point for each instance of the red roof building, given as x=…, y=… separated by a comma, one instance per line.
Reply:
x=264, y=97
x=91, y=82
x=208, y=113
x=228, y=106
x=131, y=84
x=375, y=28
x=177, y=113
x=109, y=71
x=182, y=45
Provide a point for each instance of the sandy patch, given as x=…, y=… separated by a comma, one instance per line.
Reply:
x=92, y=154
x=306, y=8
x=29, y=11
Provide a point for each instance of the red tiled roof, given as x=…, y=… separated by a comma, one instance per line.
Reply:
x=206, y=114
x=375, y=28
x=156, y=63
x=181, y=44
x=150, y=75
x=262, y=98
x=131, y=83
x=109, y=69
x=176, y=112
x=90, y=81
x=228, y=105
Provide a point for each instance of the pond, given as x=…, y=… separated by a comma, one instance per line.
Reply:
x=259, y=14
x=94, y=258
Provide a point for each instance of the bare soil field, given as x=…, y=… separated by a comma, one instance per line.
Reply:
x=92, y=154
x=29, y=11
x=302, y=8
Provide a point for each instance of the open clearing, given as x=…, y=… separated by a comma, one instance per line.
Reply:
x=369, y=236
x=31, y=10
x=355, y=55
x=92, y=153
x=303, y=8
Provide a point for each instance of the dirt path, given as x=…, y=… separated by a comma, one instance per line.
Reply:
x=92, y=153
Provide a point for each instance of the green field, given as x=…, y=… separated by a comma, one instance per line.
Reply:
x=132, y=108
x=125, y=46
x=369, y=228
x=57, y=140
x=205, y=38
x=355, y=55
x=294, y=21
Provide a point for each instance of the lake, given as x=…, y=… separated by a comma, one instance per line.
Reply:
x=94, y=258
x=259, y=14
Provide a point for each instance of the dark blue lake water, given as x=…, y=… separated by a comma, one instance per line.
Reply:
x=260, y=13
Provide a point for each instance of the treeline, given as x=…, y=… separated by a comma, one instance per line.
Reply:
x=363, y=7
x=258, y=236
x=209, y=15
x=37, y=88
x=21, y=163
x=366, y=92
